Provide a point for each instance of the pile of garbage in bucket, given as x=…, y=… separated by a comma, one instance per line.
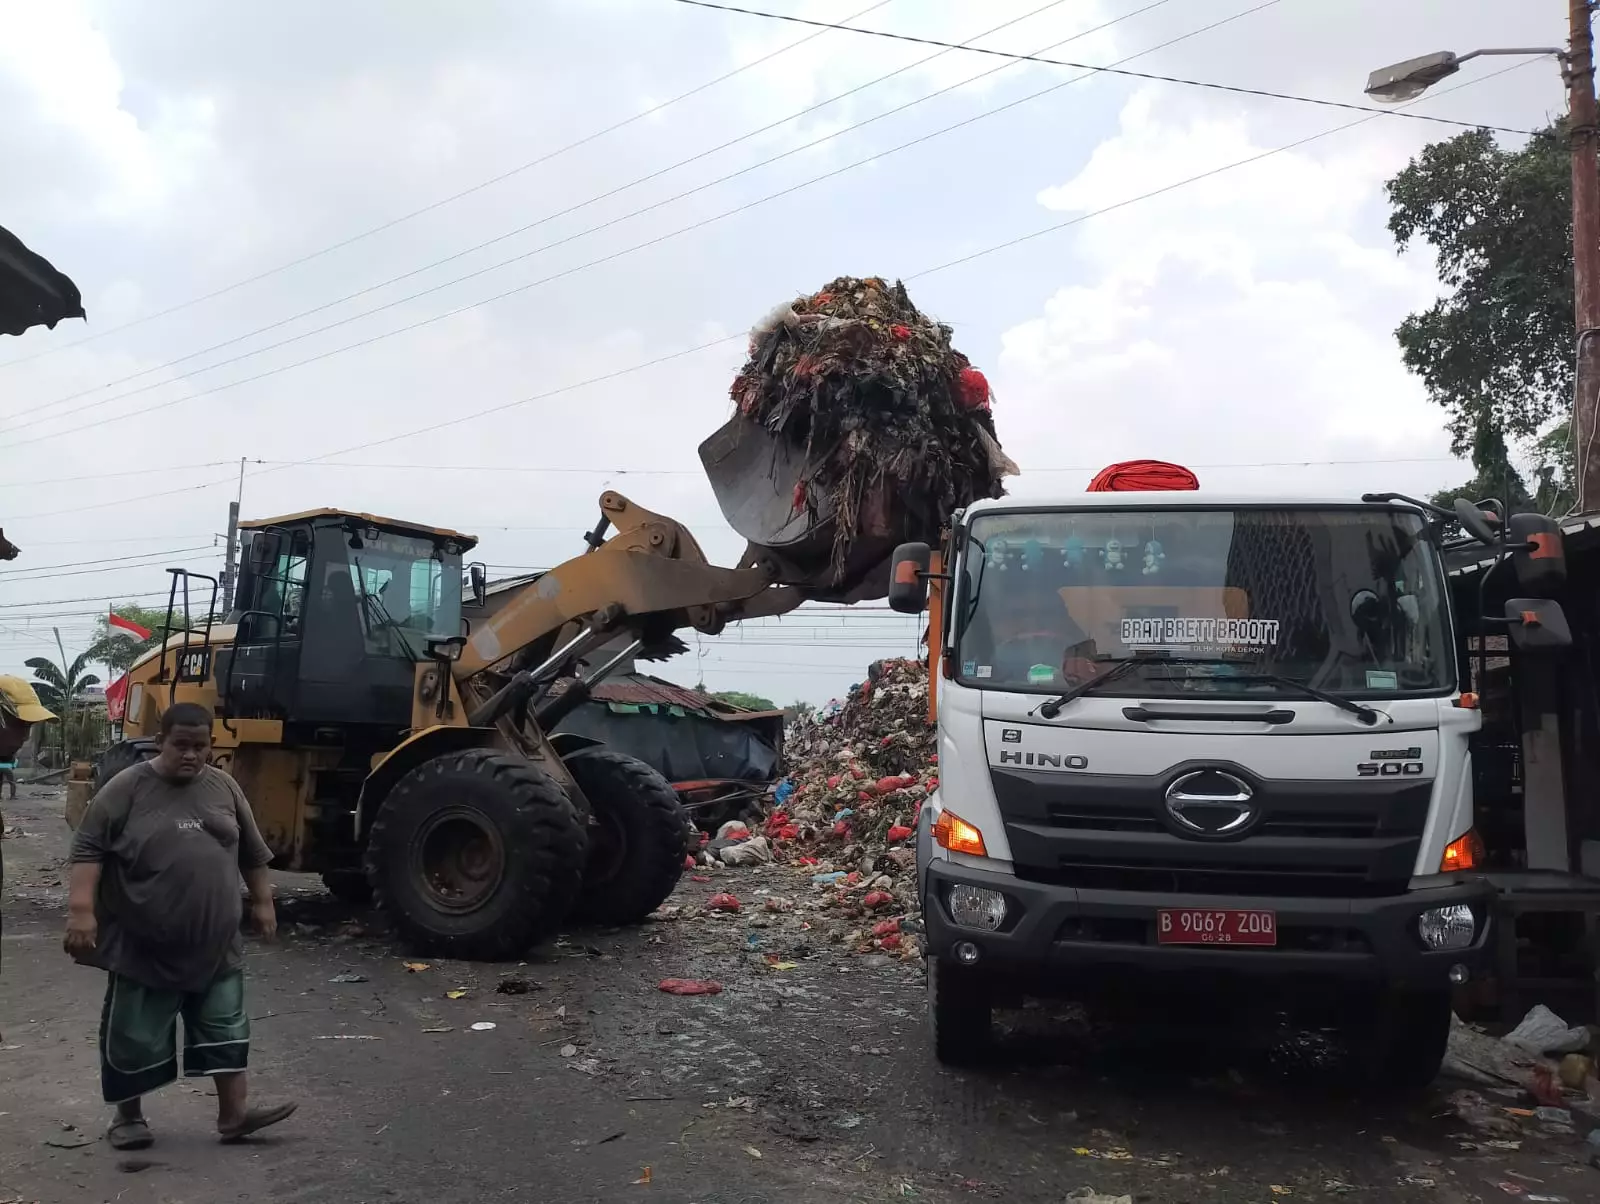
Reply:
x=842, y=820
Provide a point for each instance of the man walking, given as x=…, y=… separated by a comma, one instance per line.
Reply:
x=154, y=901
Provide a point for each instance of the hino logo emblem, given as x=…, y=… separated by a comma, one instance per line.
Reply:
x=1209, y=802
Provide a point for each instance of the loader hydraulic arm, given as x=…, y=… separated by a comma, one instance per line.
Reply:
x=650, y=578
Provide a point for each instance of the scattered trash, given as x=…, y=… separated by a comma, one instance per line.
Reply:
x=644, y=1179
x=417, y=967
x=348, y=1037
x=723, y=902
x=568, y=1051
x=752, y=1151
x=848, y=1121
x=458, y=993
x=447, y=1028
x=1543, y=1032
x=70, y=1140
x=689, y=986
x=515, y=986
x=348, y=977
x=483, y=1026
x=1575, y=1071
x=1088, y=1195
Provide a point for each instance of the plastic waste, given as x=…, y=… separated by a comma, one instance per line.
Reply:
x=1543, y=1032
x=689, y=986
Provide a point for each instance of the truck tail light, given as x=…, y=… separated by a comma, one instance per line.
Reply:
x=956, y=834
x=1463, y=853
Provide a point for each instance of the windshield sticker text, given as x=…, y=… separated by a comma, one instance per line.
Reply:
x=1187, y=633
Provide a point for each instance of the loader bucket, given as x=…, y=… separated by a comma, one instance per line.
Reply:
x=754, y=474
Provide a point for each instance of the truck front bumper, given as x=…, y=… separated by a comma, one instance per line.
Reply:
x=1061, y=931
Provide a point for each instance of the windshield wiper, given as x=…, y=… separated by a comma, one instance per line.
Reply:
x=1051, y=708
x=1366, y=714
x=374, y=604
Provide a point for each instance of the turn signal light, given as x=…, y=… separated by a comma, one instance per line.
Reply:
x=1463, y=853
x=956, y=834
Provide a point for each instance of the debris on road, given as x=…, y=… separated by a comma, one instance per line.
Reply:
x=416, y=967
x=515, y=985
x=1088, y=1195
x=483, y=1026
x=1541, y=1031
x=689, y=986
x=348, y=977
x=644, y=1179
x=871, y=391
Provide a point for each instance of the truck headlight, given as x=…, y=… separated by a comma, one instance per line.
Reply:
x=1451, y=927
x=977, y=907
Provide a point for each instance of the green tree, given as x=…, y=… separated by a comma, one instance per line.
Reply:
x=58, y=686
x=750, y=702
x=1499, y=343
x=118, y=654
x=1494, y=476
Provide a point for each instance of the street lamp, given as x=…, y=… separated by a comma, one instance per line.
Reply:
x=1408, y=80
x=1405, y=81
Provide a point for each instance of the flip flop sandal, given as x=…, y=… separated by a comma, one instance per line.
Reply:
x=257, y=1119
x=130, y=1134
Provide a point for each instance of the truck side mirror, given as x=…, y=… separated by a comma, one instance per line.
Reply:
x=1541, y=562
x=1537, y=625
x=1474, y=522
x=478, y=582
x=908, y=578
x=265, y=548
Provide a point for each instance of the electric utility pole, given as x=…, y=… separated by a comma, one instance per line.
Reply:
x=1583, y=119
x=228, y=569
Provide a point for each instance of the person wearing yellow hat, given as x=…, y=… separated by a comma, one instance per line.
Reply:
x=19, y=711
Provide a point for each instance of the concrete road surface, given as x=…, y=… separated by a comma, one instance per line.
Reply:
x=812, y=1083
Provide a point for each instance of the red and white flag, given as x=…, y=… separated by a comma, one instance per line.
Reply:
x=126, y=629
x=117, y=699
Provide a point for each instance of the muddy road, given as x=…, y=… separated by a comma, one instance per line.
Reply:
x=808, y=1078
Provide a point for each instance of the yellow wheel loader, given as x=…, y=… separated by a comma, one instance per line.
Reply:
x=391, y=726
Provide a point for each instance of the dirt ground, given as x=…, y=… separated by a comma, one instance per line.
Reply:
x=809, y=1083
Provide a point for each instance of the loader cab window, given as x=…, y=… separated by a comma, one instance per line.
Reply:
x=280, y=594
x=392, y=586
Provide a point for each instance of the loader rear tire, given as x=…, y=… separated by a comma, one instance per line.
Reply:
x=638, y=841
x=122, y=755
x=476, y=855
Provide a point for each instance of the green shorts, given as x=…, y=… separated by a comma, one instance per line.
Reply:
x=139, y=1034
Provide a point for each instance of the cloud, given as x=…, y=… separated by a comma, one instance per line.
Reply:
x=163, y=155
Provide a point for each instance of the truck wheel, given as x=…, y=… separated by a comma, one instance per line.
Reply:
x=637, y=842
x=348, y=886
x=476, y=855
x=122, y=755
x=1403, y=1047
x=961, y=1012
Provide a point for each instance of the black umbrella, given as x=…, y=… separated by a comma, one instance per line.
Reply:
x=32, y=292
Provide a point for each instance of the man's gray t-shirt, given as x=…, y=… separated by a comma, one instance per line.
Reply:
x=171, y=853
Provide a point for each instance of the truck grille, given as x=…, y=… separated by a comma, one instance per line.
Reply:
x=1311, y=839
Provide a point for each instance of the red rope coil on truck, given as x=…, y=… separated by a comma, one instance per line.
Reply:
x=1143, y=476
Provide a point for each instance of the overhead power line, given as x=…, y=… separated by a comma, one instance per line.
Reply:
x=684, y=353
x=37, y=416
x=10, y=574
x=439, y=204
x=211, y=554
x=1105, y=70
x=38, y=412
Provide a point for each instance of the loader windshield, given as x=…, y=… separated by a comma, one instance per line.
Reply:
x=1244, y=601
x=405, y=590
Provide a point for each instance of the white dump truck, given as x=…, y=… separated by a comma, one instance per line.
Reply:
x=1197, y=747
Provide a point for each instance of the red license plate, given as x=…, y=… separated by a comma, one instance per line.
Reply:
x=1209, y=926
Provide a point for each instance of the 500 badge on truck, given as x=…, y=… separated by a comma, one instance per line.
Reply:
x=1393, y=763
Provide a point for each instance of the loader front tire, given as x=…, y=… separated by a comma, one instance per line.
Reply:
x=638, y=840
x=476, y=855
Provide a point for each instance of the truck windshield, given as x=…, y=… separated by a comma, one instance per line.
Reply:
x=1349, y=600
x=405, y=590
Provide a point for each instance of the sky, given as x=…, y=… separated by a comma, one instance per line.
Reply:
x=474, y=265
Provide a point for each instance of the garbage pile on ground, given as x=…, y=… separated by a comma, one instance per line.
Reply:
x=872, y=391
x=1540, y=1077
x=841, y=822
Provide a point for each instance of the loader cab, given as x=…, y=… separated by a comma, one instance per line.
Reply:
x=332, y=612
